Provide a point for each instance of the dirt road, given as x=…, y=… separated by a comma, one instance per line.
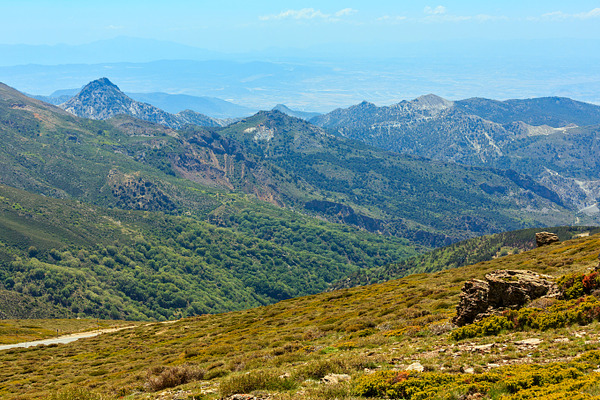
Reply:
x=63, y=339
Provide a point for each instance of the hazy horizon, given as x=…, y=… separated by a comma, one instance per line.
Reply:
x=306, y=56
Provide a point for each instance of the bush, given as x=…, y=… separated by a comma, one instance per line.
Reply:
x=486, y=327
x=159, y=378
x=402, y=384
x=250, y=382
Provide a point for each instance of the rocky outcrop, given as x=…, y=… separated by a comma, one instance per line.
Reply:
x=501, y=289
x=545, y=238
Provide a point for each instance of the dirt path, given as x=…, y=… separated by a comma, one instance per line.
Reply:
x=63, y=339
x=74, y=336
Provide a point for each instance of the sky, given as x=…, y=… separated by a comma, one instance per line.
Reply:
x=315, y=55
x=238, y=26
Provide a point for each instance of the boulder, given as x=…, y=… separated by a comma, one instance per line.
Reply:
x=416, y=366
x=501, y=289
x=473, y=302
x=545, y=238
x=335, y=378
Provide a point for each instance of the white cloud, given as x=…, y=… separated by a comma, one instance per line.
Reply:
x=392, y=19
x=345, y=11
x=440, y=14
x=308, y=14
x=435, y=11
x=559, y=15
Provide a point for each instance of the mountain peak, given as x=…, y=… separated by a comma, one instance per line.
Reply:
x=305, y=115
x=282, y=108
x=431, y=101
x=100, y=84
x=363, y=105
x=102, y=99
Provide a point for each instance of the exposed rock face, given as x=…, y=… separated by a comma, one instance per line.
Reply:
x=501, y=289
x=545, y=238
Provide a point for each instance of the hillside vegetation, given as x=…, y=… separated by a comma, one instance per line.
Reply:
x=386, y=340
x=83, y=260
x=483, y=248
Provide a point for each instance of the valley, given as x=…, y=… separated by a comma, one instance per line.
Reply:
x=294, y=255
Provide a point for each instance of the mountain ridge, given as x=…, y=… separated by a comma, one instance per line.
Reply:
x=557, y=153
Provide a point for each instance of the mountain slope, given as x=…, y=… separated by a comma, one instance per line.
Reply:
x=401, y=195
x=472, y=251
x=209, y=246
x=132, y=164
x=556, y=112
x=384, y=337
x=101, y=99
x=91, y=262
x=561, y=157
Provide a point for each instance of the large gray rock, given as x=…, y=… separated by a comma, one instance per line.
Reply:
x=501, y=289
x=545, y=238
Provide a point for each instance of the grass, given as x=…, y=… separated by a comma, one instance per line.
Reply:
x=285, y=349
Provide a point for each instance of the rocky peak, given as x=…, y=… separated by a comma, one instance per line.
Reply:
x=100, y=84
x=364, y=105
x=102, y=99
x=283, y=108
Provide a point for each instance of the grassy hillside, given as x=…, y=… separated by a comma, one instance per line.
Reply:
x=85, y=261
x=371, y=334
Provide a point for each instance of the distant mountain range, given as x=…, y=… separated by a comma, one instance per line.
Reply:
x=548, y=139
x=174, y=103
x=289, y=162
x=554, y=140
x=101, y=99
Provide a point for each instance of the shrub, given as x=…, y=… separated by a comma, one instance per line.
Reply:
x=486, y=327
x=575, y=285
x=159, y=378
x=402, y=384
x=591, y=282
x=250, y=382
x=317, y=370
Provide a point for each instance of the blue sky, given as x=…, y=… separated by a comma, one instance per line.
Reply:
x=233, y=26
